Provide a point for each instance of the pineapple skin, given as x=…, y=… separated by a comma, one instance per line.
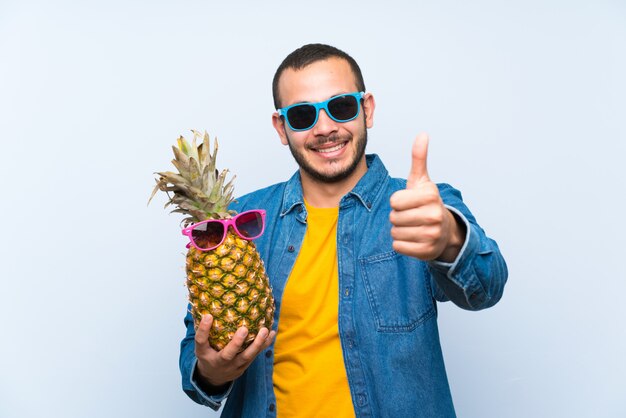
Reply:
x=230, y=283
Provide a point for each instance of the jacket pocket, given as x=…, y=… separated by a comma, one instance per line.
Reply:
x=397, y=290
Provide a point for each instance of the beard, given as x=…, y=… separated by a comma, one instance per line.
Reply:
x=336, y=176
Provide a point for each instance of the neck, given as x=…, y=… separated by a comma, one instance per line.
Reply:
x=328, y=195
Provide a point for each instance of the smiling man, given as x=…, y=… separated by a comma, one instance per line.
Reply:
x=357, y=261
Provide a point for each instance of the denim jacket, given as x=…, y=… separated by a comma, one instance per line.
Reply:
x=387, y=301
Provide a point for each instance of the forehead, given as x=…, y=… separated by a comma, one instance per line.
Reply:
x=316, y=82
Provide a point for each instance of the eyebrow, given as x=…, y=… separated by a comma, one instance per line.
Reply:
x=310, y=102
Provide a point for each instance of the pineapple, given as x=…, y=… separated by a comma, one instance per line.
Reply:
x=228, y=282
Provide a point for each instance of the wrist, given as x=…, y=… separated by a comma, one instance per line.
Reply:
x=211, y=385
x=456, y=239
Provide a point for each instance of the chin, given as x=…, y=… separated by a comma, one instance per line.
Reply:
x=331, y=175
x=348, y=164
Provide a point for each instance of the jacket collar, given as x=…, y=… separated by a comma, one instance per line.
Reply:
x=365, y=192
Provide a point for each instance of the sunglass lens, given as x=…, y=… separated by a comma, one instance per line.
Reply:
x=208, y=235
x=250, y=224
x=344, y=108
x=302, y=116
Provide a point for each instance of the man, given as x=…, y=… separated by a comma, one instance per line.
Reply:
x=357, y=261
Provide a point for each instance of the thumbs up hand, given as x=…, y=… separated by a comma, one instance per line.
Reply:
x=422, y=226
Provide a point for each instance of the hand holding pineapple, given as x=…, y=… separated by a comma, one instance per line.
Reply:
x=220, y=367
x=422, y=226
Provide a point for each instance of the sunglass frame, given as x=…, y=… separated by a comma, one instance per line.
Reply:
x=322, y=105
x=188, y=231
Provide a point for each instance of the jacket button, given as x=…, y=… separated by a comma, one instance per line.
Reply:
x=268, y=353
x=272, y=407
x=369, y=205
x=291, y=248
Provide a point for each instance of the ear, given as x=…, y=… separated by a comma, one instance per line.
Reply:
x=369, y=104
x=279, y=125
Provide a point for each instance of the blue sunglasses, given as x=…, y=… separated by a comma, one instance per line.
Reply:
x=340, y=108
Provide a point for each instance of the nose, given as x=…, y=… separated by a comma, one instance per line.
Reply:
x=325, y=125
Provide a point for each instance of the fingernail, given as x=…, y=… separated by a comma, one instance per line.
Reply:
x=206, y=318
x=243, y=331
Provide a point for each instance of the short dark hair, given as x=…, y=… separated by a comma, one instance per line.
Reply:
x=308, y=54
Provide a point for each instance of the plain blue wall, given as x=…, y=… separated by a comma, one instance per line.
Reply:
x=524, y=103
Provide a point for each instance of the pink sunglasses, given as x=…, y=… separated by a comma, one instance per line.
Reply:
x=210, y=234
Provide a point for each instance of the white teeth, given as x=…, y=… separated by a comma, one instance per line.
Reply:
x=335, y=148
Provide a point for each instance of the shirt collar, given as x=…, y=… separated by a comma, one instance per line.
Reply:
x=365, y=192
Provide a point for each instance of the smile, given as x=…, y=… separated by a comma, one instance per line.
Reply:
x=331, y=149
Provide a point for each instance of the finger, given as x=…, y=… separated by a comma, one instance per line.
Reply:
x=419, y=154
x=423, y=251
x=422, y=215
x=423, y=194
x=416, y=234
x=233, y=348
x=202, y=333
x=255, y=348
x=270, y=339
x=408, y=218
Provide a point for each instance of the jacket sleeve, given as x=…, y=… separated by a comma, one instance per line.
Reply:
x=475, y=279
x=187, y=363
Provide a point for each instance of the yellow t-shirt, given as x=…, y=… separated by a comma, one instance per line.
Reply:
x=309, y=373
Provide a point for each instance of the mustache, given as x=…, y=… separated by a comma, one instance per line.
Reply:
x=328, y=139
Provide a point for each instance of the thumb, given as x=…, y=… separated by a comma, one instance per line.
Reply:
x=419, y=154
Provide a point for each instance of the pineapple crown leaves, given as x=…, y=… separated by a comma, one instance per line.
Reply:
x=199, y=190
